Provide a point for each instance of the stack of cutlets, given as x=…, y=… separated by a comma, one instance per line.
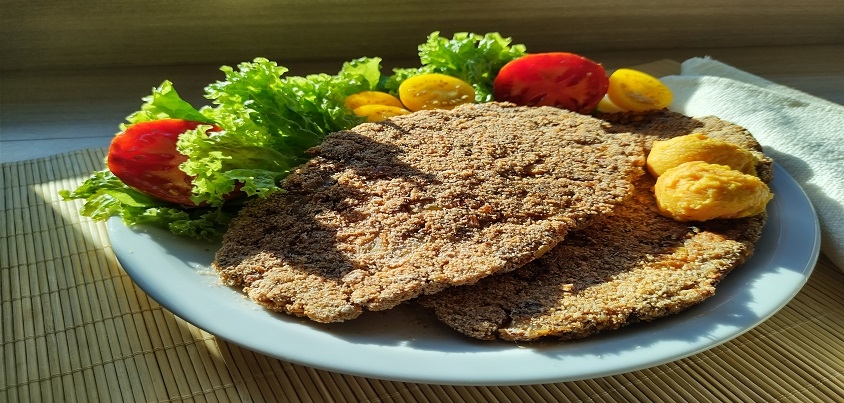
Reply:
x=628, y=266
x=510, y=222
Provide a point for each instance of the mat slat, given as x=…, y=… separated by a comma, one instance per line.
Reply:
x=76, y=328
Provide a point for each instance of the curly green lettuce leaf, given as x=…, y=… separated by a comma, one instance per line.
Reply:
x=208, y=224
x=221, y=163
x=105, y=195
x=164, y=103
x=473, y=58
x=268, y=123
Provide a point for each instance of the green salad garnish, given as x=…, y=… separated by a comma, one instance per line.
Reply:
x=266, y=122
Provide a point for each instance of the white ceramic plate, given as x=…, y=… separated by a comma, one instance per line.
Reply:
x=408, y=344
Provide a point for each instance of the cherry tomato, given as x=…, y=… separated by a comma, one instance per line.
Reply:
x=144, y=157
x=560, y=79
x=636, y=91
x=377, y=113
x=435, y=91
x=371, y=98
x=606, y=106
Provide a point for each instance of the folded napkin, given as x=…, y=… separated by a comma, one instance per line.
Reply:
x=802, y=133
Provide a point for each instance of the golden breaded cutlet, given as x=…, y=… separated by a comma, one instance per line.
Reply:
x=629, y=266
x=389, y=211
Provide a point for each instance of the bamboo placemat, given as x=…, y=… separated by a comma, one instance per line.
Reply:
x=76, y=328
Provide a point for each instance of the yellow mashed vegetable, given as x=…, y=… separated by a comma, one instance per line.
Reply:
x=700, y=191
x=670, y=153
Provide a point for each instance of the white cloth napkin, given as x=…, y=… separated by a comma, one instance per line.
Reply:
x=802, y=133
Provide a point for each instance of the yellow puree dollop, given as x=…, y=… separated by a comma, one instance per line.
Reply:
x=699, y=179
x=700, y=191
x=698, y=147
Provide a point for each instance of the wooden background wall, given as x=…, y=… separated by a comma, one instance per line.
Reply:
x=79, y=34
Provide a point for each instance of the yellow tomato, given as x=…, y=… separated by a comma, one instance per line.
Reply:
x=606, y=106
x=377, y=113
x=435, y=91
x=371, y=98
x=636, y=91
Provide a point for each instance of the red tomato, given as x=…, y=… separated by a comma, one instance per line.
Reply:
x=563, y=80
x=144, y=157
